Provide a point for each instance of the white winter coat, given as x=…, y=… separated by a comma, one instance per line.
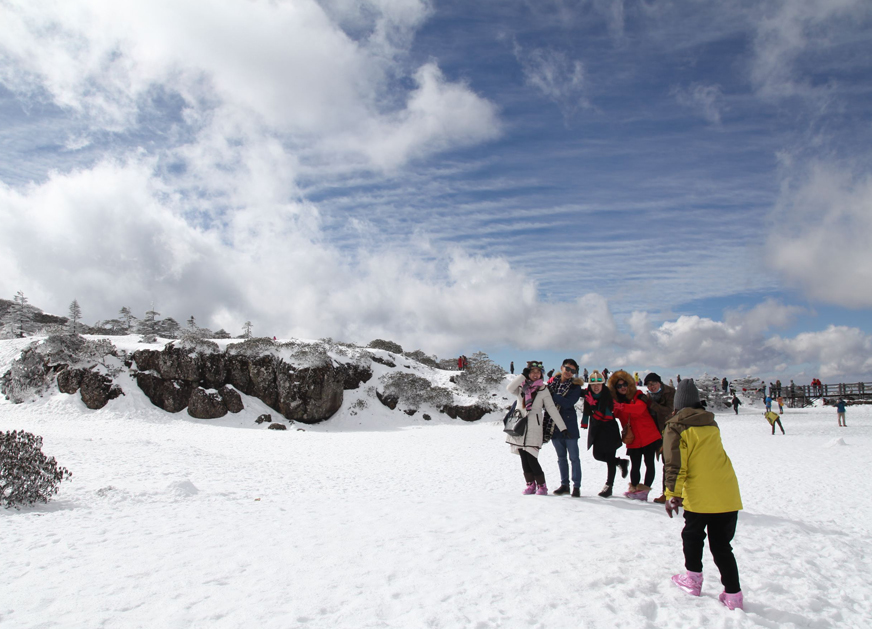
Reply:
x=531, y=441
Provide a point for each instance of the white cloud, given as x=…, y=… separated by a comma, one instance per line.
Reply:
x=558, y=77
x=821, y=230
x=839, y=350
x=286, y=66
x=787, y=31
x=706, y=100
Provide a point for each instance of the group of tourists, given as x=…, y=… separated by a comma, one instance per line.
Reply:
x=697, y=473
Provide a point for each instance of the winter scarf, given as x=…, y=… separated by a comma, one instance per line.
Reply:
x=530, y=389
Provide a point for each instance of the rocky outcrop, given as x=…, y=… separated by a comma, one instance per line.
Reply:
x=467, y=413
x=266, y=417
x=390, y=401
x=353, y=375
x=277, y=426
x=97, y=389
x=212, y=403
x=309, y=394
x=69, y=380
x=170, y=395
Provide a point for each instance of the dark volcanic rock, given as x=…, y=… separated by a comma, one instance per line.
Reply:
x=388, y=400
x=179, y=364
x=383, y=361
x=69, y=380
x=205, y=404
x=170, y=395
x=238, y=374
x=309, y=394
x=262, y=371
x=96, y=390
x=410, y=411
x=232, y=399
x=277, y=426
x=266, y=417
x=353, y=375
x=427, y=417
x=466, y=413
x=147, y=359
x=214, y=371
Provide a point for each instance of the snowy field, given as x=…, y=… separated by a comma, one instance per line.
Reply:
x=383, y=520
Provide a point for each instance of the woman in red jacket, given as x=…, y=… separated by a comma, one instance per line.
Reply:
x=632, y=411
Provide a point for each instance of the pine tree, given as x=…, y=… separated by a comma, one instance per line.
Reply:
x=75, y=316
x=127, y=318
x=20, y=314
x=246, y=329
x=149, y=323
x=192, y=324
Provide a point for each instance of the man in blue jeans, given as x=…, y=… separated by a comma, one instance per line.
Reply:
x=566, y=391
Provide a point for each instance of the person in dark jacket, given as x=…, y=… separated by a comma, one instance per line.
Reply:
x=566, y=391
x=660, y=398
x=603, y=435
x=736, y=402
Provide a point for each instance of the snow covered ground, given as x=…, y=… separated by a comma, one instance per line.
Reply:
x=383, y=520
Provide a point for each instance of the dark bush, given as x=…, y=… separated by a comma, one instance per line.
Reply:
x=26, y=474
x=390, y=346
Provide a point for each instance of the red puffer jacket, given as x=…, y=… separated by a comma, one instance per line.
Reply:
x=636, y=414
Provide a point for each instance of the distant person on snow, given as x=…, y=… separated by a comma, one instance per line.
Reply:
x=725, y=385
x=606, y=373
x=840, y=412
x=585, y=374
x=700, y=478
x=780, y=401
x=640, y=432
x=736, y=402
x=512, y=367
x=768, y=402
x=534, y=399
x=604, y=435
x=566, y=391
x=773, y=418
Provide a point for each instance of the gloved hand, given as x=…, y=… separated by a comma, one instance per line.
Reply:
x=619, y=407
x=590, y=399
x=673, y=504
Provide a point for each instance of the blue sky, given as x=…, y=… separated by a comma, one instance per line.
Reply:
x=679, y=186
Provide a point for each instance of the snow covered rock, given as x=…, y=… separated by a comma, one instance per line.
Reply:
x=97, y=389
x=170, y=395
x=205, y=404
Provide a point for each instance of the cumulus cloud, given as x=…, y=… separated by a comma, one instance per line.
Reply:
x=839, y=350
x=822, y=227
x=288, y=66
x=705, y=100
x=556, y=75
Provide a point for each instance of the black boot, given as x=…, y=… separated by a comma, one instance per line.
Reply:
x=563, y=489
x=606, y=492
x=576, y=492
x=624, y=464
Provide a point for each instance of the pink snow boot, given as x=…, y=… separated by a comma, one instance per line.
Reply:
x=641, y=493
x=530, y=489
x=691, y=582
x=542, y=490
x=732, y=601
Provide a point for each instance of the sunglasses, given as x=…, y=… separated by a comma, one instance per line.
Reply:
x=621, y=385
x=570, y=369
x=535, y=364
x=596, y=381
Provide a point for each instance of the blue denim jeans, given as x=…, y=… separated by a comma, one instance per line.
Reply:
x=564, y=447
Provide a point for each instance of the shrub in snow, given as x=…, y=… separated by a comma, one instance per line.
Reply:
x=253, y=347
x=389, y=346
x=26, y=474
x=422, y=358
x=412, y=391
x=195, y=343
x=480, y=376
x=148, y=338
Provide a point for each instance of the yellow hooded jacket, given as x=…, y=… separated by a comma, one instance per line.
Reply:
x=696, y=466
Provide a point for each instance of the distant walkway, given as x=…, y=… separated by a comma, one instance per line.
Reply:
x=804, y=395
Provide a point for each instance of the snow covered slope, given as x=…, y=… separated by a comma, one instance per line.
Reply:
x=381, y=520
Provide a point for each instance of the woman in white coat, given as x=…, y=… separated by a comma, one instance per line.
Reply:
x=534, y=399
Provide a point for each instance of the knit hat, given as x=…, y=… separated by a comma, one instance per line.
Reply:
x=686, y=395
x=596, y=377
x=652, y=377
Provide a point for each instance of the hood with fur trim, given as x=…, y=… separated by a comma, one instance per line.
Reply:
x=626, y=377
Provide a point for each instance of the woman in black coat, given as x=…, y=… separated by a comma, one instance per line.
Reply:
x=604, y=434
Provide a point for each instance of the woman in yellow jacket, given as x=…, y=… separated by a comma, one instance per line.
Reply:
x=700, y=478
